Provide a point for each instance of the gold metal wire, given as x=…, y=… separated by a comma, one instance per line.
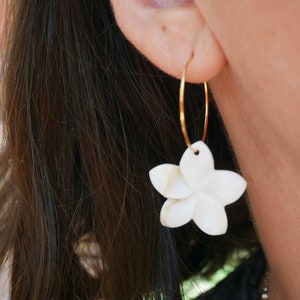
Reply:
x=182, y=111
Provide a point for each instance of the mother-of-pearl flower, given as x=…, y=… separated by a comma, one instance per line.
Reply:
x=196, y=191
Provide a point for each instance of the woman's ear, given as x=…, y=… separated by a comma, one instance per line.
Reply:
x=168, y=33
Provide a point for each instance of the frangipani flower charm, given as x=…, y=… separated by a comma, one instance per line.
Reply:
x=196, y=191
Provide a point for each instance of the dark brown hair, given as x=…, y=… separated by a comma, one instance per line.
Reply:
x=86, y=117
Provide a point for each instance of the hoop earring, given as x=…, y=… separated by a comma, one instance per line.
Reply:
x=194, y=189
x=182, y=109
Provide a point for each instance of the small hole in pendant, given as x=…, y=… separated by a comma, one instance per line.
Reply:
x=196, y=152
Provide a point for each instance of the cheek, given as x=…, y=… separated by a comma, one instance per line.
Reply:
x=260, y=41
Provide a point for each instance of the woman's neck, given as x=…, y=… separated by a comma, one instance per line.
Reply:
x=269, y=160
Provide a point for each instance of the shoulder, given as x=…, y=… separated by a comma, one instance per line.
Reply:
x=241, y=284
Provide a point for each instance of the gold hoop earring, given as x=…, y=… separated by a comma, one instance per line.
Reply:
x=194, y=189
x=182, y=109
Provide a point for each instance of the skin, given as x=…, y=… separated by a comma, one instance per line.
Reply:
x=249, y=52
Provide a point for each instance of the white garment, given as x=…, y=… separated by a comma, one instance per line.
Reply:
x=5, y=280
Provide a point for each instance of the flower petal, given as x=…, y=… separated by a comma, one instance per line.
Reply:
x=225, y=185
x=210, y=215
x=195, y=167
x=175, y=213
x=169, y=182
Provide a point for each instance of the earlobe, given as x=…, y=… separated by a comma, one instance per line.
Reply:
x=168, y=36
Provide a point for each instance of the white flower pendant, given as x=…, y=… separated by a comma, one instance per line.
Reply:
x=196, y=191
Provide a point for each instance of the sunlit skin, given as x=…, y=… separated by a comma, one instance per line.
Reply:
x=249, y=53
